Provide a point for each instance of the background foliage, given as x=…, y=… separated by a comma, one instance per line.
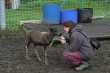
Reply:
x=31, y=9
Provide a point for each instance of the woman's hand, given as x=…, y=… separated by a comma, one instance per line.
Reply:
x=62, y=39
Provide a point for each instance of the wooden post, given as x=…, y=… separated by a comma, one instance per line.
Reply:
x=8, y=4
x=2, y=14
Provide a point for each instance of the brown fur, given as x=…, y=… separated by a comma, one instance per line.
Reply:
x=38, y=38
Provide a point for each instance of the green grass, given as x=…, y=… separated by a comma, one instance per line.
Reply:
x=14, y=17
x=32, y=10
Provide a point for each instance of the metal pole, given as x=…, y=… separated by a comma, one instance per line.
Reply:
x=2, y=14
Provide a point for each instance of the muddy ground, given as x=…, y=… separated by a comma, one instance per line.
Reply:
x=12, y=58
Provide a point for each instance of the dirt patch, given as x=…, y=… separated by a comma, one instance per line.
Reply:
x=12, y=58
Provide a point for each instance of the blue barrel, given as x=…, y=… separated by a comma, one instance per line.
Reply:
x=69, y=15
x=51, y=13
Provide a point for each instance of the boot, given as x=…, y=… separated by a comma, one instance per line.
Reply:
x=82, y=66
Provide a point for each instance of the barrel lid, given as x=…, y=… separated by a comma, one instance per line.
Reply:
x=46, y=4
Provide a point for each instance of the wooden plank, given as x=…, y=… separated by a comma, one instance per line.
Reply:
x=99, y=29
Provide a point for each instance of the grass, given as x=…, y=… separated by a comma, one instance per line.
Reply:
x=27, y=11
x=13, y=17
x=32, y=11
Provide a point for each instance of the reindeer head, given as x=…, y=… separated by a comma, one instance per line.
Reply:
x=53, y=31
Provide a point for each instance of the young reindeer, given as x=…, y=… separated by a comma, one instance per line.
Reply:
x=38, y=38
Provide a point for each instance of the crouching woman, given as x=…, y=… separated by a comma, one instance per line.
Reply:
x=78, y=51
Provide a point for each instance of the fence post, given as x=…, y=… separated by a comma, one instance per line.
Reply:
x=63, y=3
x=15, y=4
x=2, y=15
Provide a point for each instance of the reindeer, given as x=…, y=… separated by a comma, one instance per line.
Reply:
x=38, y=38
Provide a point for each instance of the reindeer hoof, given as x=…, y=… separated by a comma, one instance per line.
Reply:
x=46, y=63
x=39, y=60
x=27, y=57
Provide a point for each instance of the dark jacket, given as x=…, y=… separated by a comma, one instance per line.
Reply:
x=78, y=42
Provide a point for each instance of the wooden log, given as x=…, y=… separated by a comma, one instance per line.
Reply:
x=8, y=4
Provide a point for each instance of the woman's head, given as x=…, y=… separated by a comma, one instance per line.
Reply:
x=68, y=26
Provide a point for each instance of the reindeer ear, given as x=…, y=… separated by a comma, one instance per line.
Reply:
x=50, y=28
x=53, y=29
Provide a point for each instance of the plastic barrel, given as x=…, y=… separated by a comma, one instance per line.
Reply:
x=85, y=15
x=69, y=15
x=51, y=13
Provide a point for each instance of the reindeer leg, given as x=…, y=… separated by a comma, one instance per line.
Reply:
x=37, y=55
x=45, y=56
x=27, y=51
x=27, y=56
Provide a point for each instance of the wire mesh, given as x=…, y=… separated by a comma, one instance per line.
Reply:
x=31, y=9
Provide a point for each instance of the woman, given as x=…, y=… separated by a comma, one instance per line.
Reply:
x=78, y=51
